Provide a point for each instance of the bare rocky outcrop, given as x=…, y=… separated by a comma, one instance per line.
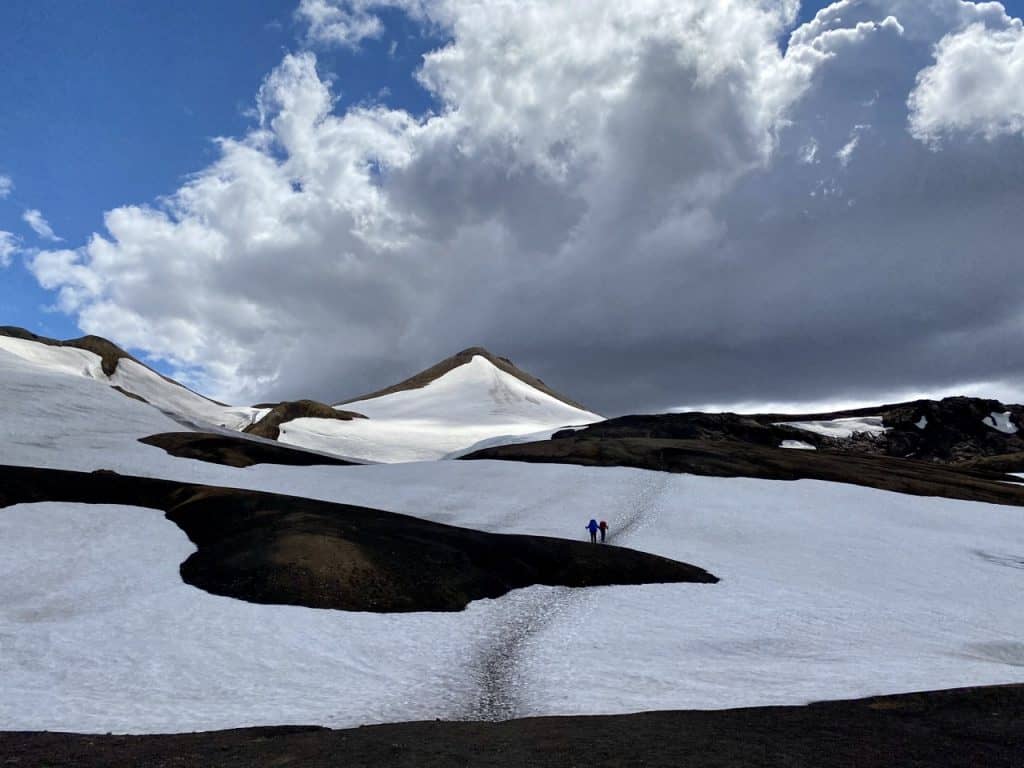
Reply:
x=733, y=458
x=270, y=425
x=232, y=451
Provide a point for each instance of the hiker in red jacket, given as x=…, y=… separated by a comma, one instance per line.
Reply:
x=604, y=529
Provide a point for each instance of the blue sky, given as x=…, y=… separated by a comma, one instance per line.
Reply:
x=115, y=102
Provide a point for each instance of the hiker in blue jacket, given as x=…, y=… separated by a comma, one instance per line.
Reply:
x=592, y=526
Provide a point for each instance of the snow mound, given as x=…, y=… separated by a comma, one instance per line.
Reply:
x=470, y=404
x=167, y=396
x=840, y=428
x=1000, y=421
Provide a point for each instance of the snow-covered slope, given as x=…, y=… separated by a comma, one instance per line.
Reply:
x=137, y=379
x=828, y=591
x=471, y=403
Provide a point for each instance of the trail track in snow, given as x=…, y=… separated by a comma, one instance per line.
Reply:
x=497, y=665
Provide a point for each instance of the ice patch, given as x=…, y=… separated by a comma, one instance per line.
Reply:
x=1000, y=421
x=922, y=422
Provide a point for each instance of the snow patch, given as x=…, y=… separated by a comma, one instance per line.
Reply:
x=922, y=422
x=841, y=428
x=1001, y=421
x=798, y=445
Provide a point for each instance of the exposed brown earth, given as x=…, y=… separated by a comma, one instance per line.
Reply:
x=434, y=372
x=270, y=425
x=233, y=451
x=271, y=548
x=1009, y=462
x=109, y=353
x=967, y=727
x=732, y=458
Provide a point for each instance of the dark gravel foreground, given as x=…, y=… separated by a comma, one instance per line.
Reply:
x=963, y=727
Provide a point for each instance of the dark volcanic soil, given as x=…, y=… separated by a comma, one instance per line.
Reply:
x=270, y=548
x=423, y=378
x=948, y=431
x=732, y=458
x=966, y=727
x=234, y=451
x=270, y=425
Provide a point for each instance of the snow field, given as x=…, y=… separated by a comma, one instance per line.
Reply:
x=828, y=591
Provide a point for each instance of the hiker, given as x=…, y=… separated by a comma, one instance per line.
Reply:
x=592, y=526
x=604, y=529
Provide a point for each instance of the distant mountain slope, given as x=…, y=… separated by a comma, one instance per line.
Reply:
x=96, y=358
x=448, y=408
x=469, y=398
x=109, y=353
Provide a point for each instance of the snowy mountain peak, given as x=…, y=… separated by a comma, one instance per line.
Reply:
x=467, y=401
x=465, y=357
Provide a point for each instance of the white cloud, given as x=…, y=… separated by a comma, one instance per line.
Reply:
x=39, y=225
x=845, y=153
x=9, y=245
x=343, y=23
x=6, y=186
x=629, y=178
x=809, y=152
x=976, y=85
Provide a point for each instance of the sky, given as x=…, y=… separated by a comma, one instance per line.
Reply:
x=652, y=205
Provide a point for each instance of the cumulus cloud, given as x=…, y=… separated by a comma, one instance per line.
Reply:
x=39, y=225
x=6, y=186
x=8, y=247
x=345, y=24
x=649, y=203
x=976, y=85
